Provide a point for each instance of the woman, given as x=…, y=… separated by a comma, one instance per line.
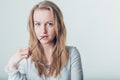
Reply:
x=47, y=58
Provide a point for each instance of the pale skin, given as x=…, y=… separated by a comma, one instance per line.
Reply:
x=44, y=26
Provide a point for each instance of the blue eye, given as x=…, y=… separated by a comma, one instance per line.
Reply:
x=49, y=24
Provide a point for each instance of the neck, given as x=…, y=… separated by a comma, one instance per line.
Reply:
x=48, y=52
x=47, y=48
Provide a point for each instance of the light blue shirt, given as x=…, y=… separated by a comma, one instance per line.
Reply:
x=71, y=71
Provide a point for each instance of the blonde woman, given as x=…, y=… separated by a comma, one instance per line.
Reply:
x=47, y=58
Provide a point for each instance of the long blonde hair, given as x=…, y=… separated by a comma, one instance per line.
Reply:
x=59, y=53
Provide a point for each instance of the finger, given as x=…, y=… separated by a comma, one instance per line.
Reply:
x=24, y=56
x=25, y=51
x=25, y=48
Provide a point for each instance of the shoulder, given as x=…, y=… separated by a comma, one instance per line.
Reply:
x=72, y=50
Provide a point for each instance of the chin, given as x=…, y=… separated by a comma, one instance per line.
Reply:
x=45, y=41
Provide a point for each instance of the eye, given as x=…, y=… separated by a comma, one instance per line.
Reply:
x=37, y=24
x=49, y=24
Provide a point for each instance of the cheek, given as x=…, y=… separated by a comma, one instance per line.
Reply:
x=37, y=32
x=53, y=34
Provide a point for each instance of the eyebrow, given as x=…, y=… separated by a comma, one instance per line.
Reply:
x=46, y=21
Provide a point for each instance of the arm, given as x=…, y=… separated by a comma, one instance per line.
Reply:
x=17, y=65
x=18, y=74
x=76, y=66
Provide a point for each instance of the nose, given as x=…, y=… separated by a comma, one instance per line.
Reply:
x=43, y=29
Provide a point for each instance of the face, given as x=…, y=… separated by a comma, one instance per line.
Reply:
x=44, y=26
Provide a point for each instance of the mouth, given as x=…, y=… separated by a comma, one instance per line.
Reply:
x=43, y=37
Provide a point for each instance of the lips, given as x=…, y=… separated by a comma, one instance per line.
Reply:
x=43, y=37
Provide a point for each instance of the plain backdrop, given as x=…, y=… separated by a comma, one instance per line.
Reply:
x=93, y=26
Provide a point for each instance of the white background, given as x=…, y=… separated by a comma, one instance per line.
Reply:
x=93, y=26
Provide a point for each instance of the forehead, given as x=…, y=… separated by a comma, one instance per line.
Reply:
x=43, y=14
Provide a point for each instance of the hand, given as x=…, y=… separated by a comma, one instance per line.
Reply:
x=17, y=57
